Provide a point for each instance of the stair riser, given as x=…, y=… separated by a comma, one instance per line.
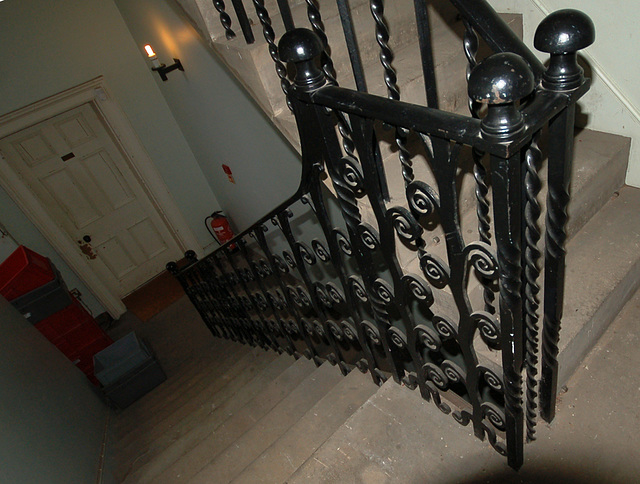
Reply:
x=573, y=352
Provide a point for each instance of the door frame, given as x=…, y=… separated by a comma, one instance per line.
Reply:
x=96, y=93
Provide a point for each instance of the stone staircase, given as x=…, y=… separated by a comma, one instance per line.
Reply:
x=260, y=417
x=231, y=413
x=600, y=158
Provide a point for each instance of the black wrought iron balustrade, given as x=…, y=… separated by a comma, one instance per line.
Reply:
x=408, y=283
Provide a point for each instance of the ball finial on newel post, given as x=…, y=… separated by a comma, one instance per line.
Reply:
x=562, y=34
x=301, y=47
x=500, y=81
x=172, y=267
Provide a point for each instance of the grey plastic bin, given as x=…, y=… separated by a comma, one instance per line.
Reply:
x=44, y=301
x=119, y=358
x=127, y=370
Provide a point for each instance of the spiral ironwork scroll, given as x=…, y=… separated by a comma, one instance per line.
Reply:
x=270, y=37
x=343, y=242
x=532, y=254
x=418, y=288
x=405, y=225
x=320, y=250
x=428, y=337
x=225, y=20
x=423, y=199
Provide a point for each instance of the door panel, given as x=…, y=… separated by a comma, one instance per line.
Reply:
x=86, y=184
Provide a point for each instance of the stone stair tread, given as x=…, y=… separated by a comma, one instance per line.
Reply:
x=224, y=466
x=164, y=396
x=188, y=368
x=149, y=431
x=599, y=169
x=126, y=421
x=398, y=437
x=285, y=455
x=185, y=434
x=212, y=438
x=402, y=27
x=395, y=435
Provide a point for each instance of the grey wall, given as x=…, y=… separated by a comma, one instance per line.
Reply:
x=48, y=47
x=52, y=423
x=217, y=117
x=7, y=243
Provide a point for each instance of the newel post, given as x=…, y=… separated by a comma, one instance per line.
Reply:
x=501, y=81
x=301, y=47
x=562, y=34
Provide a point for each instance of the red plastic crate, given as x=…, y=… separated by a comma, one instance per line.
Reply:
x=84, y=335
x=22, y=272
x=59, y=324
x=77, y=335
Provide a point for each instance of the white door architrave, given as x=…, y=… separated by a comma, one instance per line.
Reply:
x=96, y=93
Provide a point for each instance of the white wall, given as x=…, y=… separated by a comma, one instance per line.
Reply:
x=52, y=421
x=219, y=120
x=613, y=104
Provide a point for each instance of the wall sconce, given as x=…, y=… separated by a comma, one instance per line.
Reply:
x=162, y=69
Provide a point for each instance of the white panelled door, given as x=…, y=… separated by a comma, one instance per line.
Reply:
x=84, y=182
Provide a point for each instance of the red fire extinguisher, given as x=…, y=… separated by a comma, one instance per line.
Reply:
x=218, y=226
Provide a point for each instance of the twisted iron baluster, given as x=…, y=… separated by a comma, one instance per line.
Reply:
x=531, y=273
x=391, y=81
x=315, y=18
x=556, y=235
x=386, y=54
x=470, y=44
x=270, y=37
x=225, y=20
x=479, y=172
x=508, y=228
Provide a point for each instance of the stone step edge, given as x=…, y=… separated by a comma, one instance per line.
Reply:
x=326, y=403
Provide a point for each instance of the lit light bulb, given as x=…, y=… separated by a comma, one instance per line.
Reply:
x=152, y=55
